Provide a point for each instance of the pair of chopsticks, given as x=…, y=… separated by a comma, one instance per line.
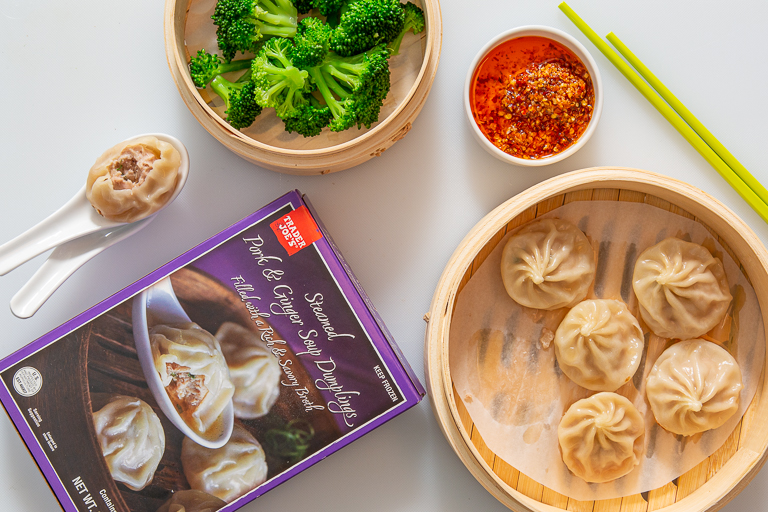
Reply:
x=737, y=176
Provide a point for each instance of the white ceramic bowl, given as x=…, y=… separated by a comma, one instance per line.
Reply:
x=569, y=42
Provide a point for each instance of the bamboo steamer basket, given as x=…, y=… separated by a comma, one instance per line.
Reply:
x=708, y=486
x=404, y=102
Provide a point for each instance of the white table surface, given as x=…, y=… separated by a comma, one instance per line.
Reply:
x=78, y=77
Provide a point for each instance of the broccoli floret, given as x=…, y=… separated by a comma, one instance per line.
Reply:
x=329, y=7
x=311, y=43
x=353, y=87
x=242, y=108
x=310, y=119
x=205, y=66
x=342, y=109
x=303, y=6
x=367, y=23
x=278, y=83
x=374, y=94
x=414, y=22
x=243, y=24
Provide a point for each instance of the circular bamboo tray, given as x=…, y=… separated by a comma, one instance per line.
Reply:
x=410, y=88
x=708, y=486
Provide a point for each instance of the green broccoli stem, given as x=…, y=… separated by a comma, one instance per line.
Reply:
x=265, y=29
x=284, y=13
x=277, y=20
x=294, y=78
x=346, y=72
x=322, y=86
x=281, y=57
x=394, y=45
x=234, y=65
x=334, y=85
x=224, y=88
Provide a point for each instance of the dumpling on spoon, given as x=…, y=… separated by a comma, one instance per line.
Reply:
x=133, y=179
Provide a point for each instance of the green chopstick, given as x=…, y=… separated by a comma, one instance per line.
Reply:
x=728, y=174
x=689, y=118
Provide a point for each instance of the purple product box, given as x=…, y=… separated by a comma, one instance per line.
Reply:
x=278, y=282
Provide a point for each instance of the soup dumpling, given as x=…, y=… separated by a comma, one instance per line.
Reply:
x=254, y=370
x=602, y=437
x=133, y=179
x=682, y=289
x=694, y=386
x=194, y=373
x=131, y=438
x=227, y=472
x=548, y=264
x=599, y=344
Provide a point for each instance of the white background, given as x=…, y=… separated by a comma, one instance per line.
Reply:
x=78, y=77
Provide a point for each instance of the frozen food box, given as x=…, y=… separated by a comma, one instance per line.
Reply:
x=257, y=354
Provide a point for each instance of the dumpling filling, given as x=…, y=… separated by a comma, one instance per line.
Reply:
x=186, y=390
x=194, y=374
x=131, y=168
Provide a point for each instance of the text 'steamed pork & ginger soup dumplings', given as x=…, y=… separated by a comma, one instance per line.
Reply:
x=601, y=437
x=599, y=344
x=132, y=439
x=548, y=264
x=694, y=386
x=682, y=289
x=133, y=179
x=194, y=373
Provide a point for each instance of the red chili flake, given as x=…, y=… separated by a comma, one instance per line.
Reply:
x=532, y=97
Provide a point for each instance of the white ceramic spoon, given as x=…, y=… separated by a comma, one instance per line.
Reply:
x=75, y=219
x=158, y=304
x=63, y=262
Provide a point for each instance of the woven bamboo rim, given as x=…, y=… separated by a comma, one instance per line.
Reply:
x=708, y=486
x=306, y=161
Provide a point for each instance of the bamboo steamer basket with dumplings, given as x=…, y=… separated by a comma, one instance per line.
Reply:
x=266, y=143
x=708, y=486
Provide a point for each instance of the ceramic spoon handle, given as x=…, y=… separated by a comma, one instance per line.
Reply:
x=63, y=262
x=75, y=219
x=163, y=304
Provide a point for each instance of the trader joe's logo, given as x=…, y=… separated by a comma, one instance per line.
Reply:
x=296, y=230
x=27, y=381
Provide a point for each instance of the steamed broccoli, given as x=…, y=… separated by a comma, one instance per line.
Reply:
x=242, y=108
x=310, y=119
x=311, y=43
x=329, y=7
x=303, y=6
x=242, y=24
x=414, y=22
x=353, y=87
x=205, y=66
x=367, y=23
x=278, y=83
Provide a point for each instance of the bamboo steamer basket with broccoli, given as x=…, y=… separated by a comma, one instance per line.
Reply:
x=707, y=487
x=267, y=142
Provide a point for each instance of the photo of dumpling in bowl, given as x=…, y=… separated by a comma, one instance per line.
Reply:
x=194, y=374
